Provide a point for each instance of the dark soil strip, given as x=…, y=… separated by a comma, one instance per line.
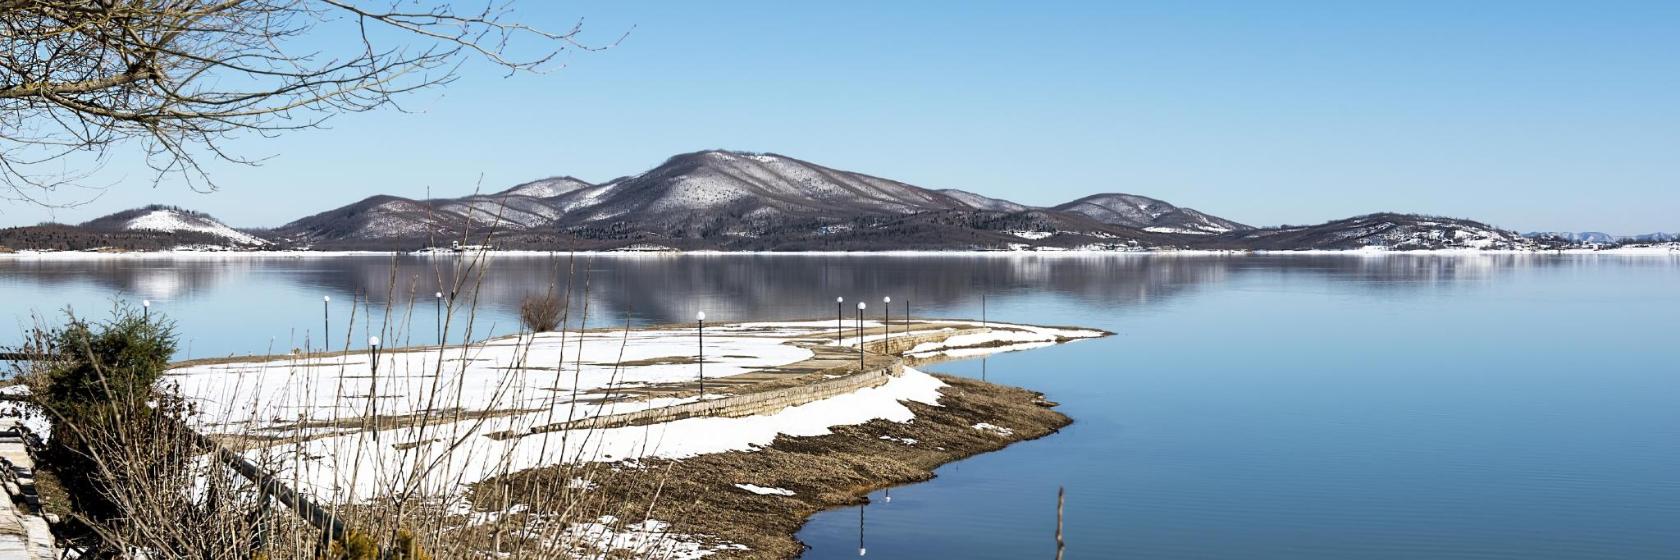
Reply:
x=698, y=495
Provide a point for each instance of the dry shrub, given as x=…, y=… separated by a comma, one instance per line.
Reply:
x=122, y=450
x=540, y=313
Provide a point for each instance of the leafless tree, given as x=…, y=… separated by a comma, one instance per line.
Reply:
x=179, y=78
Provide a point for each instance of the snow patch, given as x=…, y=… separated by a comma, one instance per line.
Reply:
x=765, y=490
x=23, y=413
x=172, y=221
x=649, y=539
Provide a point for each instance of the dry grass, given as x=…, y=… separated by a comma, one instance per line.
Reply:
x=827, y=471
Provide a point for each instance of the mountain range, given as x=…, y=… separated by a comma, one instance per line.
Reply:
x=727, y=200
x=1601, y=238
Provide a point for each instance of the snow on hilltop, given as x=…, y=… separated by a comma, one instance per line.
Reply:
x=983, y=202
x=744, y=200
x=733, y=200
x=170, y=219
x=1601, y=238
x=547, y=188
x=1390, y=231
x=695, y=190
x=1149, y=214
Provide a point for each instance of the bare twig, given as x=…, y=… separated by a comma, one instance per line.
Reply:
x=182, y=77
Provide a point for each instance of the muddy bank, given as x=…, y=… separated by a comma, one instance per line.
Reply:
x=700, y=499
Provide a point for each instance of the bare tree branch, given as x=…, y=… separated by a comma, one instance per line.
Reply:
x=179, y=78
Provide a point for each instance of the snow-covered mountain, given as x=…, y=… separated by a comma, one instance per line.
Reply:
x=1658, y=237
x=169, y=219
x=372, y=218
x=1391, y=231
x=724, y=194
x=982, y=202
x=1601, y=238
x=690, y=195
x=741, y=193
x=547, y=188
x=761, y=201
x=1582, y=237
x=1149, y=214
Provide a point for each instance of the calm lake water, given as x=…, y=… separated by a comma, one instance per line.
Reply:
x=1299, y=407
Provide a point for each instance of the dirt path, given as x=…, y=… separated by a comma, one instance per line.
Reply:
x=827, y=361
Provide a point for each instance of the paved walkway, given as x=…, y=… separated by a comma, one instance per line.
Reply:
x=23, y=533
x=826, y=361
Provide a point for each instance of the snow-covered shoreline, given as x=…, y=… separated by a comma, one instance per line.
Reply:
x=1651, y=251
x=514, y=384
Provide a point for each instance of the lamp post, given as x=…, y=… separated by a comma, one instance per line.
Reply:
x=700, y=318
x=146, y=309
x=326, y=322
x=839, y=321
x=886, y=323
x=373, y=384
x=861, y=305
x=861, y=550
x=438, y=305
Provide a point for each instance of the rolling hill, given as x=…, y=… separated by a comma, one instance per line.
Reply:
x=729, y=200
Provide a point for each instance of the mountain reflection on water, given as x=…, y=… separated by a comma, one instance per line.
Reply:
x=1299, y=407
x=666, y=288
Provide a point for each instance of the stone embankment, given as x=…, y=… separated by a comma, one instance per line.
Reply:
x=24, y=534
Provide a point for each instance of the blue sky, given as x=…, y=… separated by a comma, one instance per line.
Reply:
x=1529, y=115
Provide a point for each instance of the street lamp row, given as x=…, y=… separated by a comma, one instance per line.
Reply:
x=886, y=316
x=700, y=327
x=326, y=318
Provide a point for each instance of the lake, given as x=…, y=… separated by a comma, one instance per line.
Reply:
x=1299, y=407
